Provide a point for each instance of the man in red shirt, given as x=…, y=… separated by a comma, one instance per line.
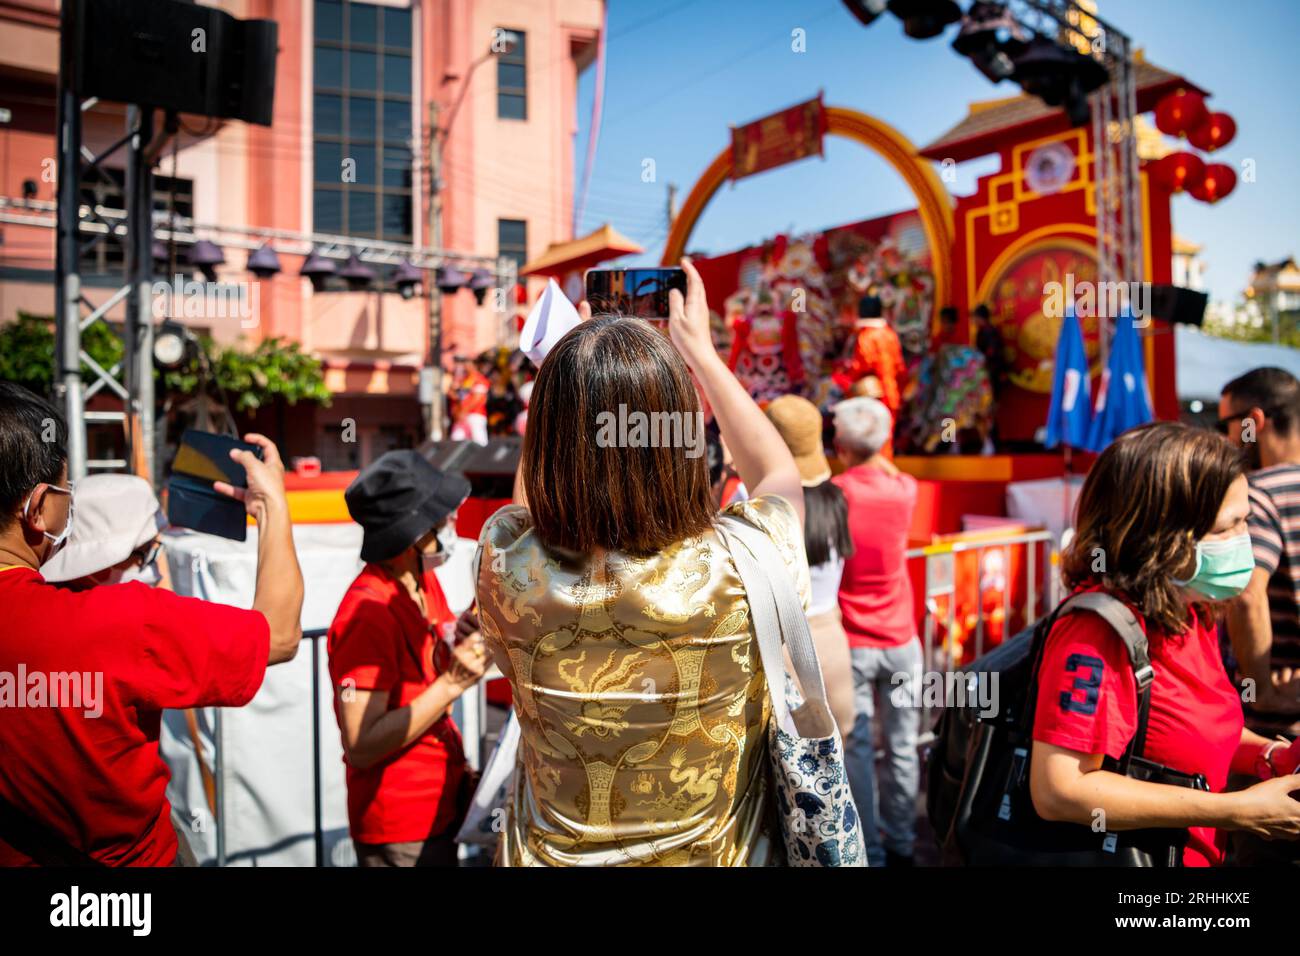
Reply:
x=85, y=676
x=876, y=605
x=399, y=659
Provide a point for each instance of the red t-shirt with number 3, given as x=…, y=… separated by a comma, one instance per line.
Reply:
x=1087, y=702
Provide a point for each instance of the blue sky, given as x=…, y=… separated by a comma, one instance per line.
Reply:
x=681, y=71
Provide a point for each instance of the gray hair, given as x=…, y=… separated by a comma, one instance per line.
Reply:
x=862, y=425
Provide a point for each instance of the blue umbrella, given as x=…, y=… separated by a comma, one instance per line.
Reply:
x=1070, y=413
x=1122, y=399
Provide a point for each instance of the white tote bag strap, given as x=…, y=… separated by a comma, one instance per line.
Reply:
x=778, y=618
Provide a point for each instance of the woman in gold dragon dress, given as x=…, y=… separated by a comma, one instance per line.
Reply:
x=613, y=607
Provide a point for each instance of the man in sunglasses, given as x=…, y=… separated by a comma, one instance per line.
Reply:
x=86, y=786
x=1260, y=411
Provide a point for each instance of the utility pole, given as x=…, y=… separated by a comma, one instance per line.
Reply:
x=672, y=204
x=437, y=400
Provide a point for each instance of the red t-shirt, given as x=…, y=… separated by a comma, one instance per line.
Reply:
x=98, y=780
x=380, y=641
x=875, y=591
x=1087, y=702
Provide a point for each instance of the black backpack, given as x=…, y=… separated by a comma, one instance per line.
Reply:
x=977, y=795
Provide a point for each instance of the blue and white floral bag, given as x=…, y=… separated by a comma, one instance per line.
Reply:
x=819, y=822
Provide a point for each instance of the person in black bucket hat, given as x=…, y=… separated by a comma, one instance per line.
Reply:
x=398, y=659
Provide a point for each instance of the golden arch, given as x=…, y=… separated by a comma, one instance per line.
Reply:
x=933, y=203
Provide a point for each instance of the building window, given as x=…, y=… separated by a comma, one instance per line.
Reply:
x=512, y=80
x=512, y=241
x=101, y=253
x=362, y=132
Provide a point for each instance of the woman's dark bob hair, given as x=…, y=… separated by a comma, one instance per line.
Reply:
x=1151, y=495
x=585, y=494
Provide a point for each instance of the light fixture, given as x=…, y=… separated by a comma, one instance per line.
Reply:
x=449, y=279
x=206, y=256
x=923, y=19
x=865, y=11
x=991, y=38
x=317, y=268
x=406, y=278
x=170, y=343
x=357, y=274
x=1060, y=76
x=263, y=262
x=479, y=283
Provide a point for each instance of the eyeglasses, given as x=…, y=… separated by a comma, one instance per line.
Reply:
x=147, y=555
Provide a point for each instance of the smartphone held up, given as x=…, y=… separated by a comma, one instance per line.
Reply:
x=640, y=293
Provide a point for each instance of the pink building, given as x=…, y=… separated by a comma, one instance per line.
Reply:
x=358, y=85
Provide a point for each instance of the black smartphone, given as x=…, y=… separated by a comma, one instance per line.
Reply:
x=639, y=292
x=202, y=460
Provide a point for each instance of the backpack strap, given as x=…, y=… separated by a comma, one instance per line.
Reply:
x=1125, y=624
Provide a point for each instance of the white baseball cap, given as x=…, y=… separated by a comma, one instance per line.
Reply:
x=115, y=515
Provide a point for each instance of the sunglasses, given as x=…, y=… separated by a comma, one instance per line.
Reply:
x=147, y=555
x=1223, y=424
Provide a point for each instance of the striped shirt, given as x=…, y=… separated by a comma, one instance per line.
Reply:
x=1275, y=535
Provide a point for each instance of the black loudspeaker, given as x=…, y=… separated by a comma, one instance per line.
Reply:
x=174, y=55
x=447, y=455
x=1172, y=303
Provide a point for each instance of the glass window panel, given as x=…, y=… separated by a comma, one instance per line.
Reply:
x=362, y=115
x=512, y=232
x=397, y=28
x=329, y=68
x=364, y=154
x=328, y=114
x=327, y=213
x=511, y=75
x=397, y=216
x=511, y=106
x=397, y=74
x=329, y=20
x=397, y=167
x=397, y=121
x=363, y=71
x=329, y=162
x=361, y=213
x=363, y=23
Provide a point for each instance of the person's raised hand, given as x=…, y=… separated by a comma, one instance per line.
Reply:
x=688, y=319
x=265, y=478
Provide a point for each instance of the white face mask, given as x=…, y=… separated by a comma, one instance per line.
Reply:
x=57, y=541
x=446, y=545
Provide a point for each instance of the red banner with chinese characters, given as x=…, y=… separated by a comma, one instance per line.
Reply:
x=792, y=134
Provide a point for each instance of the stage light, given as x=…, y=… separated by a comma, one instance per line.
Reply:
x=406, y=278
x=479, y=283
x=263, y=262
x=170, y=343
x=992, y=39
x=923, y=19
x=1059, y=76
x=449, y=279
x=317, y=268
x=357, y=274
x=206, y=256
x=865, y=11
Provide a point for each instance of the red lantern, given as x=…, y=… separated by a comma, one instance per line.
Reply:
x=1214, y=132
x=1179, y=171
x=1219, y=180
x=1179, y=112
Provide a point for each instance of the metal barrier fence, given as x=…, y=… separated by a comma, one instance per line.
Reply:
x=940, y=577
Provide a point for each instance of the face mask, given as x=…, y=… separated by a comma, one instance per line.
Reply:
x=1223, y=568
x=57, y=541
x=446, y=544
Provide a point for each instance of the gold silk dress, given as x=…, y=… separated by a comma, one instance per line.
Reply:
x=641, y=699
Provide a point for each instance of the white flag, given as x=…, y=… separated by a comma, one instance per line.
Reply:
x=552, y=316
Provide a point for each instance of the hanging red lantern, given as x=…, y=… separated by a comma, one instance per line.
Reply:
x=1219, y=180
x=1214, y=132
x=1179, y=112
x=1179, y=171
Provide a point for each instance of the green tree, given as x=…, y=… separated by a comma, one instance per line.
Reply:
x=274, y=368
x=27, y=351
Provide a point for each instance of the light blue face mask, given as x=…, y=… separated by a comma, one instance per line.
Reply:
x=1223, y=567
